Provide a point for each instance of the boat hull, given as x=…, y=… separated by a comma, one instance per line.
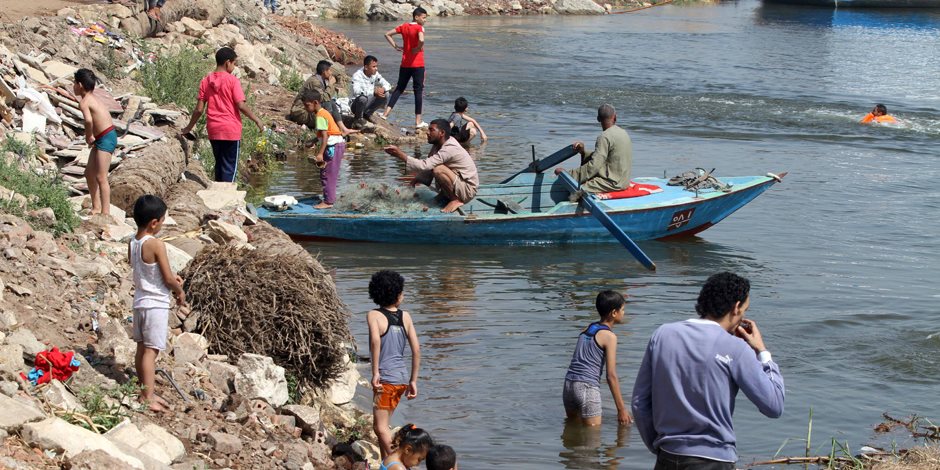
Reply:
x=548, y=217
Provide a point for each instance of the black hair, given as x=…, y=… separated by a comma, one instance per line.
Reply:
x=224, y=54
x=310, y=95
x=460, y=104
x=719, y=294
x=441, y=457
x=881, y=108
x=368, y=60
x=418, y=11
x=147, y=209
x=607, y=302
x=385, y=287
x=416, y=438
x=86, y=78
x=442, y=125
x=323, y=66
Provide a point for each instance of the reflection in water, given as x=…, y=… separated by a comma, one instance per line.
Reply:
x=584, y=447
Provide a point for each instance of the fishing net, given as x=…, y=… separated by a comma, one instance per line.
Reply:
x=699, y=180
x=275, y=302
x=382, y=198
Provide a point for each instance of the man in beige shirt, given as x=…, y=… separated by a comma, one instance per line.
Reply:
x=608, y=167
x=448, y=164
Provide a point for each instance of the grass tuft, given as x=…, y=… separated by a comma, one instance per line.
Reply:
x=40, y=191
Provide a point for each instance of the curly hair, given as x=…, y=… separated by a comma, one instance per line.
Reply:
x=719, y=294
x=385, y=287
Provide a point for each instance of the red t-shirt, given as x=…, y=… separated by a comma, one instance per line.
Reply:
x=222, y=92
x=409, y=33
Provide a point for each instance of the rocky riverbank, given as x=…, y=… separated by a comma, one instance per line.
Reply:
x=64, y=278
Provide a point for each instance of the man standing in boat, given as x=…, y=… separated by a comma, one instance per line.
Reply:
x=608, y=167
x=448, y=164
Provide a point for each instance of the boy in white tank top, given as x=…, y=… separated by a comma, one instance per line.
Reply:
x=153, y=282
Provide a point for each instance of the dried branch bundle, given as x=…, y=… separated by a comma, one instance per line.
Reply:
x=272, y=303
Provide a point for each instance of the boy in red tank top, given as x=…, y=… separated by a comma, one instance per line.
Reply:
x=412, y=62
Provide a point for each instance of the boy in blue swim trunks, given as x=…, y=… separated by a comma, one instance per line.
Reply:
x=101, y=136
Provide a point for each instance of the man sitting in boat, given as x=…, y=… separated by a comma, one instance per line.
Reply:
x=607, y=168
x=880, y=115
x=448, y=164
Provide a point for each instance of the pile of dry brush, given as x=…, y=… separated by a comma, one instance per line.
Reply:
x=270, y=302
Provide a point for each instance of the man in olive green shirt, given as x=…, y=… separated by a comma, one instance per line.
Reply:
x=607, y=168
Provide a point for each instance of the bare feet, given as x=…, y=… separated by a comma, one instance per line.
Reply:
x=323, y=205
x=451, y=206
x=161, y=401
x=153, y=405
x=94, y=212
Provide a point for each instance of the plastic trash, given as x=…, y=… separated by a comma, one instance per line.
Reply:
x=279, y=202
x=36, y=101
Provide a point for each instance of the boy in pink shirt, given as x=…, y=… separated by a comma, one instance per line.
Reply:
x=222, y=93
x=412, y=62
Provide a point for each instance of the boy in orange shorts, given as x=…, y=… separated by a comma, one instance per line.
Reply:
x=389, y=330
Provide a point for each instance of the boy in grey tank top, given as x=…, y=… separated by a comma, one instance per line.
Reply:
x=595, y=349
x=390, y=330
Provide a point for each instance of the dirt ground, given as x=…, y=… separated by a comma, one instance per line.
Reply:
x=14, y=10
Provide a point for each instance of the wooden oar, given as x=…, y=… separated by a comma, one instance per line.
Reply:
x=538, y=166
x=591, y=203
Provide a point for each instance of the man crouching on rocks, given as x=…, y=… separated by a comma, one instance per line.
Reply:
x=448, y=164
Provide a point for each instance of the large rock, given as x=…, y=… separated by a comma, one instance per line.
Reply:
x=59, y=436
x=25, y=338
x=308, y=417
x=222, y=375
x=94, y=460
x=343, y=389
x=190, y=347
x=578, y=7
x=150, y=440
x=221, y=199
x=192, y=27
x=114, y=341
x=17, y=413
x=224, y=232
x=7, y=319
x=259, y=377
x=224, y=443
x=11, y=360
x=367, y=450
x=178, y=258
x=56, y=70
x=55, y=394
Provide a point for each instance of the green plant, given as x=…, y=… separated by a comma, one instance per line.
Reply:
x=103, y=408
x=175, y=78
x=352, y=433
x=293, y=388
x=352, y=9
x=39, y=191
x=108, y=64
x=291, y=79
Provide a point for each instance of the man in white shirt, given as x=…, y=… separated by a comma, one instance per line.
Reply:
x=369, y=91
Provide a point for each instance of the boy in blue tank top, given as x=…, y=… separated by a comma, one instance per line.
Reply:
x=596, y=347
x=390, y=330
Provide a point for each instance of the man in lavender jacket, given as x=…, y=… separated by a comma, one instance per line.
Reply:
x=685, y=390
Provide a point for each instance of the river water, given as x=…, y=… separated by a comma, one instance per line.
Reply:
x=841, y=256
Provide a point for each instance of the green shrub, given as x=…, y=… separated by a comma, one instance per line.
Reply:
x=40, y=191
x=103, y=408
x=175, y=78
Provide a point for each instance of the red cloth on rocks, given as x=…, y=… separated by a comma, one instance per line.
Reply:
x=55, y=365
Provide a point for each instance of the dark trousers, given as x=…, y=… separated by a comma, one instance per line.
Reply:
x=416, y=74
x=364, y=106
x=667, y=461
x=226, y=159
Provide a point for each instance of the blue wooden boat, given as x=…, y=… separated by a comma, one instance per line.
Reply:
x=528, y=208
